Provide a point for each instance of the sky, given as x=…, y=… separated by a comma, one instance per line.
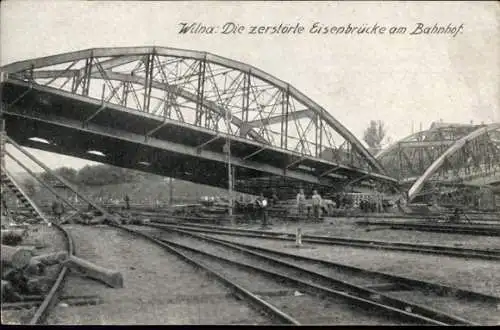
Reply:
x=405, y=80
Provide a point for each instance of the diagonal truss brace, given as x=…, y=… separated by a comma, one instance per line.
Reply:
x=295, y=162
x=46, y=185
x=254, y=153
x=152, y=131
x=59, y=178
x=200, y=147
x=333, y=169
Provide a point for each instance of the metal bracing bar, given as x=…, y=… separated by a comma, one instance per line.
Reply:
x=208, y=142
x=245, y=99
x=60, y=179
x=60, y=73
x=438, y=163
x=295, y=162
x=356, y=180
x=279, y=118
x=156, y=128
x=316, y=135
x=330, y=170
x=254, y=153
x=425, y=144
x=211, y=105
x=287, y=108
x=125, y=93
x=89, y=118
x=107, y=81
x=200, y=94
x=87, y=76
x=148, y=83
x=408, y=161
x=46, y=185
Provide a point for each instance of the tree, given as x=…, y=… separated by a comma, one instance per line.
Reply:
x=374, y=135
x=67, y=173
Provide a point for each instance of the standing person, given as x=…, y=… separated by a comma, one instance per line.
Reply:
x=127, y=202
x=274, y=198
x=262, y=209
x=316, y=204
x=57, y=209
x=301, y=202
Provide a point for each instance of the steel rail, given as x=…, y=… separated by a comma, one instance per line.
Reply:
x=363, y=292
x=361, y=297
x=439, y=289
x=372, y=244
x=51, y=299
x=239, y=291
x=452, y=229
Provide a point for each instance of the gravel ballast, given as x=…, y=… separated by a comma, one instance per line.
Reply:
x=159, y=288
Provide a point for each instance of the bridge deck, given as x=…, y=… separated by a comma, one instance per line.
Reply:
x=129, y=138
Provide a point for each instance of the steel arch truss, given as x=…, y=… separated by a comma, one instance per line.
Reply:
x=408, y=158
x=203, y=90
x=473, y=157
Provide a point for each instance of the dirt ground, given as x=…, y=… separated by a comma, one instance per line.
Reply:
x=159, y=288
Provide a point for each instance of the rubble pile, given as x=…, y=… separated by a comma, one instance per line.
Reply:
x=24, y=273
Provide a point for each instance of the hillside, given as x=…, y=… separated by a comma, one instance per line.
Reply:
x=147, y=190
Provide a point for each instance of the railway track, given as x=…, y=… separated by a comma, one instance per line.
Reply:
x=329, y=240
x=317, y=303
x=491, y=218
x=50, y=300
x=52, y=296
x=316, y=280
x=468, y=229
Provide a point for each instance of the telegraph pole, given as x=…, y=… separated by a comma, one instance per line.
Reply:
x=229, y=170
x=171, y=187
x=3, y=132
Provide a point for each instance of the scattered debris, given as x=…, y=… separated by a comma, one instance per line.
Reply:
x=110, y=277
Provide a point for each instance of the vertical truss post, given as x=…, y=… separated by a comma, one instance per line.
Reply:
x=86, y=76
x=351, y=151
x=31, y=79
x=200, y=95
x=284, y=130
x=167, y=110
x=125, y=93
x=149, y=82
x=316, y=136
x=245, y=98
x=320, y=136
x=74, y=85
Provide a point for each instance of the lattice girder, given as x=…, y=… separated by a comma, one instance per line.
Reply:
x=203, y=90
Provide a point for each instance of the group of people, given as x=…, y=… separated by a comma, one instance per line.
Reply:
x=258, y=209
x=316, y=204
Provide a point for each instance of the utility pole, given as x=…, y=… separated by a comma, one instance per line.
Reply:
x=2, y=142
x=229, y=170
x=171, y=187
x=3, y=132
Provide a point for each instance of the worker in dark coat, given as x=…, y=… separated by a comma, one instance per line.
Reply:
x=127, y=202
x=274, y=199
x=262, y=205
x=58, y=209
